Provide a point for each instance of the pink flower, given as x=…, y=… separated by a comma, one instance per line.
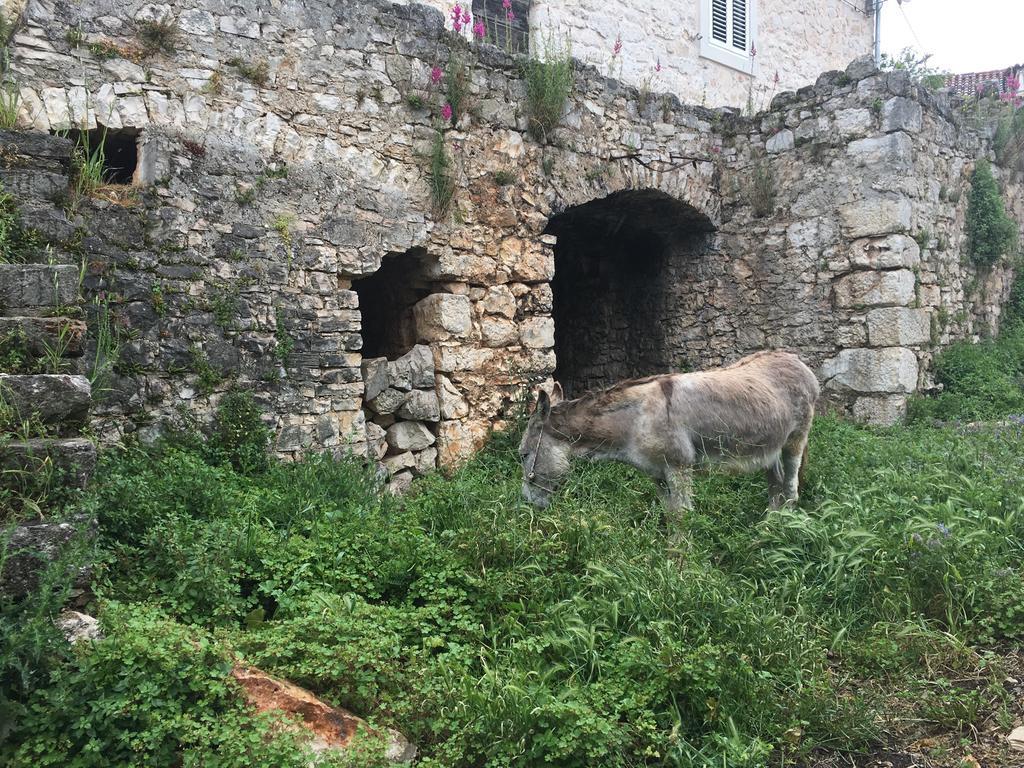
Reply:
x=478, y=29
x=509, y=15
x=1012, y=83
x=753, y=50
x=435, y=75
x=465, y=16
x=716, y=150
x=657, y=67
x=446, y=112
x=776, y=78
x=617, y=48
x=506, y=4
x=457, y=18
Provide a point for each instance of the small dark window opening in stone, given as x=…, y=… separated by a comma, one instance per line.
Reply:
x=386, y=301
x=120, y=151
x=623, y=266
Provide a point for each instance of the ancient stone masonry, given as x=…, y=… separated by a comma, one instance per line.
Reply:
x=44, y=396
x=284, y=239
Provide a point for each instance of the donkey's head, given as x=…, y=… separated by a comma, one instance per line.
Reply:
x=544, y=452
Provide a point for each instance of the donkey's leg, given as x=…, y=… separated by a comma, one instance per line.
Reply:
x=792, y=459
x=776, y=472
x=679, y=499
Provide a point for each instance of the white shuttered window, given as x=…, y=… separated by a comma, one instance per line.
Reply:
x=727, y=32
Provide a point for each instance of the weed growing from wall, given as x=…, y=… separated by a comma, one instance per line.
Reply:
x=456, y=86
x=549, y=82
x=158, y=36
x=442, y=185
x=991, y=234
x=761, y=190
x=256, y=72
x=108, y=341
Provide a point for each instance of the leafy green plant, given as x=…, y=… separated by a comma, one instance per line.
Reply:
x=285, y=342
x=224, y=305
x=207, y=377
x=108, y=339
x=240, y=438
x=991, y=234
x=504, y=177
x=909, y=61
x=89, y=164
x=456, y=86
x=442, y=185
x=549, y=83
x=10, y=101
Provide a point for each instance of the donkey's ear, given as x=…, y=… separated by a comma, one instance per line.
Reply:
x=543, y=404
x=557, y=395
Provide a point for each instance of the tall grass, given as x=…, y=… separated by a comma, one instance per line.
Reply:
x=549, y=81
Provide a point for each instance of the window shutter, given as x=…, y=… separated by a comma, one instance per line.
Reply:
x=739, y=25
x=720, y=20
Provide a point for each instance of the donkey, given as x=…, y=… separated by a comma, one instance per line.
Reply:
x=753, y=414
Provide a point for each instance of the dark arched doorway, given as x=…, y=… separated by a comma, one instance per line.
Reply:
x=618, y=263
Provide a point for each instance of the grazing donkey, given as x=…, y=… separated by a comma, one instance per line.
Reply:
x=753, y=414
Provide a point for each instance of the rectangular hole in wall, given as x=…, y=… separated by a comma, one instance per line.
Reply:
x=119, y=149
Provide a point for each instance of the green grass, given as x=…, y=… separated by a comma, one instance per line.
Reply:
x=494, y=634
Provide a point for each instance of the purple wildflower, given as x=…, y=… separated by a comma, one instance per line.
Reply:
x=446, y=112
x=479, y=30
x=435, y=75
x=617, y=48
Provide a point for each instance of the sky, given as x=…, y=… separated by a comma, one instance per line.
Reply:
x=961, y=35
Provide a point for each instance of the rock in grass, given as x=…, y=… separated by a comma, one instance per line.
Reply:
x=330, y=728
x=1016, y=739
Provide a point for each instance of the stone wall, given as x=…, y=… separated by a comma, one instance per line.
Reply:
x=284, y=156
x=795, y=40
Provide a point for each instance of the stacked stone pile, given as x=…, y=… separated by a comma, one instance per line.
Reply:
x=402, y=412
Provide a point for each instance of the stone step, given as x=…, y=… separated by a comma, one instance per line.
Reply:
x=72, y=460
x=38, y=334
x=29, y=288
x=31, y=547
x=57, y=399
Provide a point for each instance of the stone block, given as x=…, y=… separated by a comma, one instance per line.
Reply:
x=898, y=327
x=780, y=142
x=29, y=286
x=408, y=436
x=420, y=405
x=453, y=404
x=54, y=398
x=876, y=216
x=388, y=401
x=888, y=370
x=73, y=459
x=499, y=300
x=538, y=332
x=871, y=288
x=901, y=114
x=443, y=316
x=375, y=376
x=891, y=149
x=889, y=252
x=853, y=122
x=376, y=440
x=31, y=547
x=881, y=411
x=398, y=462
x=426, y=461
x=40, y=333
x=498, y=331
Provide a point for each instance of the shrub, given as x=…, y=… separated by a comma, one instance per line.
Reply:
x=990, y=232
x=240, y=438
x=549, y=83
x=761, y=190
x=980, y=381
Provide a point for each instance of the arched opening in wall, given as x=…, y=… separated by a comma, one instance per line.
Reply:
x=386, y=301
x=112, y=154
x=619, y=263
